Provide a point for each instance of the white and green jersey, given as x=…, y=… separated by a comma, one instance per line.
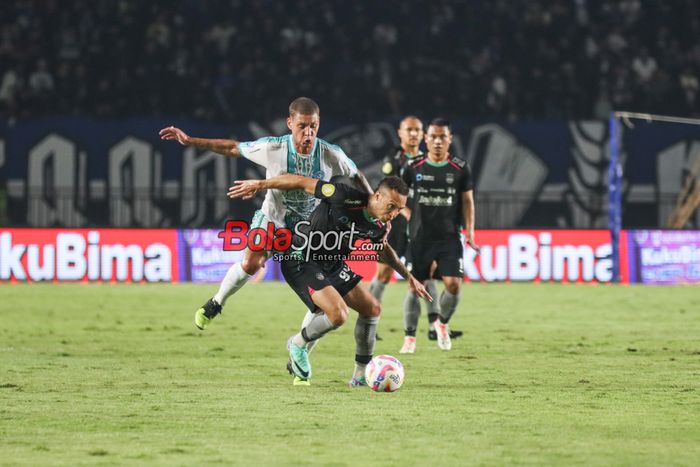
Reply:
x=279, y=156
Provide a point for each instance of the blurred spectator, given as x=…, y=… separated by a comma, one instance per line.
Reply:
x=644, y=66
x=41, y=81
x=233, y=59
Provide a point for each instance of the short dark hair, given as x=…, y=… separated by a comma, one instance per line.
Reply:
x=303, y=106
x=394, y=183
x=439, y=121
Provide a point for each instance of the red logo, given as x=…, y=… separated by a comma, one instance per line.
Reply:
x=237, y=237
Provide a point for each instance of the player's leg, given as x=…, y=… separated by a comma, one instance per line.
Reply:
x=398, y=240
x=307, y=319
x=313, y=287
x=236, y=277
x=434, y=307
x=368, y=309
x=381, y=279
x=451, y=268
x=411, y=315
x=449, y=298
x=422, y=255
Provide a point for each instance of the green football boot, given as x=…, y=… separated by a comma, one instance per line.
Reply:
x=299, y=359
x=300, y=382
x=204, y=315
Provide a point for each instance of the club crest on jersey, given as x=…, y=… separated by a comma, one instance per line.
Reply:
x=327, y=190
x=419, y=177
x=450, y=178
x=387, y=168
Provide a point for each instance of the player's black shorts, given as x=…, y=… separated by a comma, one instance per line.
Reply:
x=398, y=237
x=447, y=254
x=308, y=277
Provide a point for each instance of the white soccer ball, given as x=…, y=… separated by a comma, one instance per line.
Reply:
x=384, y=373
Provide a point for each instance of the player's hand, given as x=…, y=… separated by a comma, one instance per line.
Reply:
x=417, y=288
x=244, y=189
x=172, y=133
x=469, y=241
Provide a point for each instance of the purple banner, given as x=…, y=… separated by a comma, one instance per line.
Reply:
x=664, y=257
x=203, y=259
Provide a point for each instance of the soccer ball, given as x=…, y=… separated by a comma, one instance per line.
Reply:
x=384, y=374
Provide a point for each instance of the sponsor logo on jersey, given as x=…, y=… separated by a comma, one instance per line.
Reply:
x=435, y=200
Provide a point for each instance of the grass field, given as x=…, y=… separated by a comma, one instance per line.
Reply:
x=546, y=374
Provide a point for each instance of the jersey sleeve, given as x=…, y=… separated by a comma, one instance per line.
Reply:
x=466, y=183
x=339, y=194
x=408, y=175
x=258, y=151
x=340, y=163
x=388, y=167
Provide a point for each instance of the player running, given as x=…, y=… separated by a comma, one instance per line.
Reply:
x=441, y=198
x=320, y=276
x=300, y=152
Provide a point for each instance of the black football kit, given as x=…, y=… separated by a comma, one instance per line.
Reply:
x=436, y=214
x=395, y=164
x=341, y=212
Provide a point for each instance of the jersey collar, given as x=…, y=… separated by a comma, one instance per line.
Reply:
x=437, y=164
x=412, y=156
x=293, y=150
x=367, y=217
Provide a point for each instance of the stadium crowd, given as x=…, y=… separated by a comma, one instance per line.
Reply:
x=222, y=60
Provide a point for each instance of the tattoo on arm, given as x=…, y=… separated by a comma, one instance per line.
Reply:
x=391, y=259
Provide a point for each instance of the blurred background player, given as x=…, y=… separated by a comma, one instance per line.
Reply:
x=321, y=278
x=441, y=201
x=300, y=152
x=411, y=135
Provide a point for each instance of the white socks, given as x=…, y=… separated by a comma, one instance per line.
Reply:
x=234, y=279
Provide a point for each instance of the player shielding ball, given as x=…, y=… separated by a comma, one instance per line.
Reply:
x=299, y=152
x=441, y=200
x=321, y=278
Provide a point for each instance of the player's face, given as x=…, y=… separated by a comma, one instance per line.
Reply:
x=304, y=130
x=387, y=204
x=438, y=140
x=410, y=132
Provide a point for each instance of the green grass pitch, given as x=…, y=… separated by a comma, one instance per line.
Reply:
x=546, y=374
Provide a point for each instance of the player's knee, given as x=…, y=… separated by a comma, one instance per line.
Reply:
x=376, y=309
x=453, y=287
x=253, y=264
x=338, y=314
x=384, y=274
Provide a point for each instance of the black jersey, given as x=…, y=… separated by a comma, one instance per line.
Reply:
x=397, y=161
x=342, y=209
x=436, y=197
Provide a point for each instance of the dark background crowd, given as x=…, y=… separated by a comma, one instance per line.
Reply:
x=233, y=60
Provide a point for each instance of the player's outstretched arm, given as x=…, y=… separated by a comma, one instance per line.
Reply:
x=468, y=213
x=389, y=257
x=226, y=147
x=247, y=189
